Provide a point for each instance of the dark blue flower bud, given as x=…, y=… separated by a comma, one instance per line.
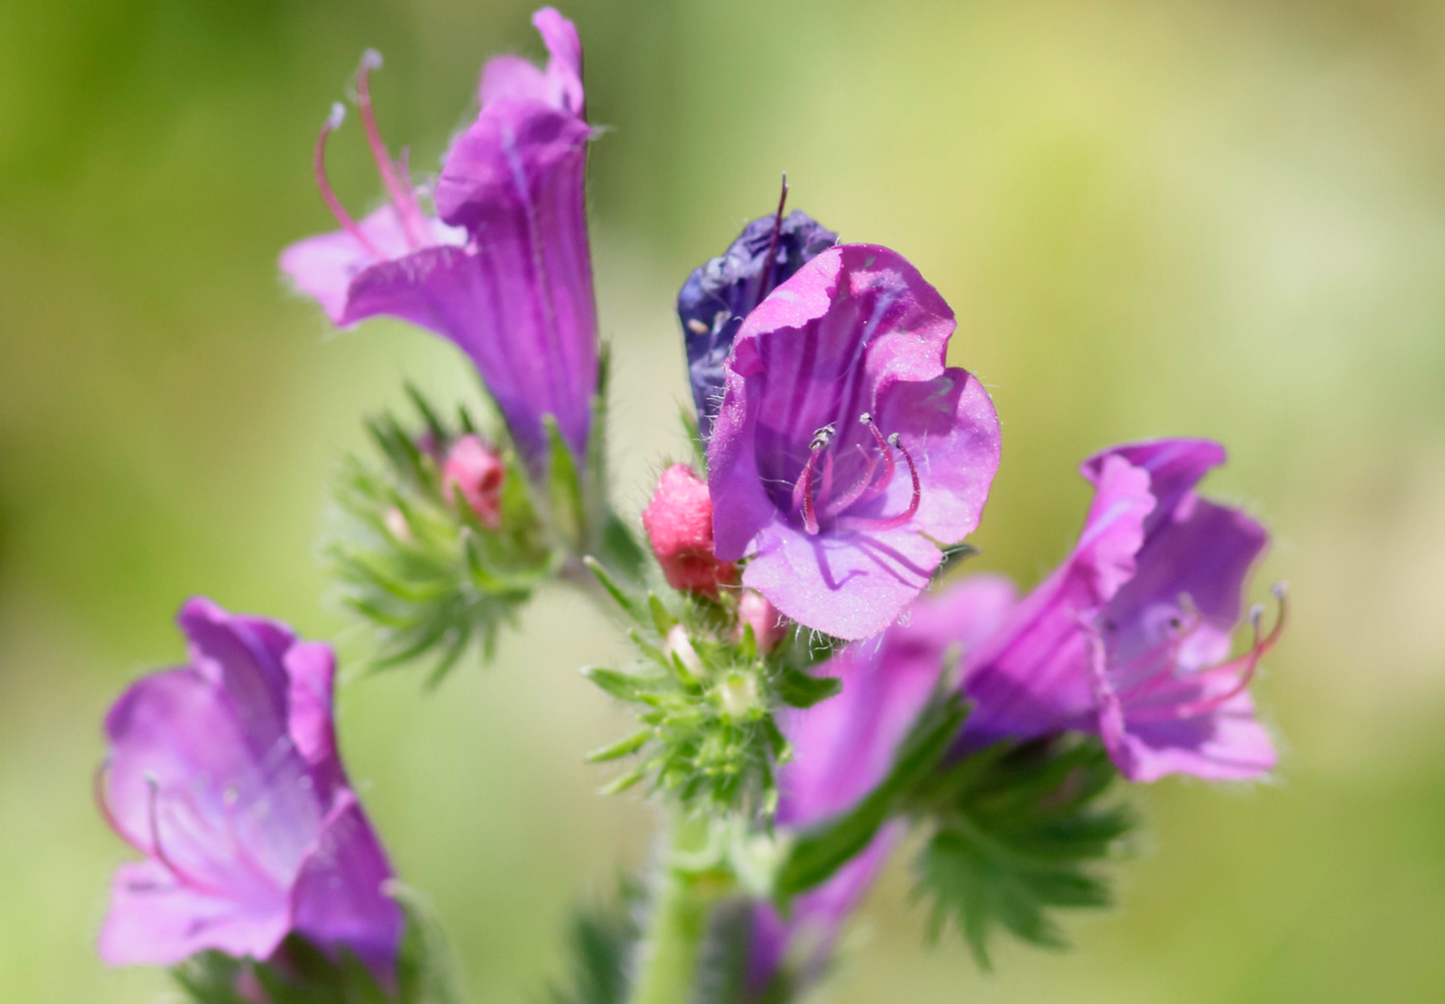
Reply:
x=724, y=290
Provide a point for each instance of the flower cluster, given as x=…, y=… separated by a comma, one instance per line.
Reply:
x=808, y=688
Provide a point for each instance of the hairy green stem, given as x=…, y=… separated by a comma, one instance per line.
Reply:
x=667, y=963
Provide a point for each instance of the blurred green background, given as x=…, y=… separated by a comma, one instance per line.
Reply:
x=1217, y=218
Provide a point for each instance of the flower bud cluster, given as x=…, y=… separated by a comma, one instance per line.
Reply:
x=437, y=546
x=708, y=687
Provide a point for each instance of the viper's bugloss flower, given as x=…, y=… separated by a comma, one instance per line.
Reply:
x=1130, y=637
x=845, y=746
x=678, y=521
x=506, y=273
x=722, y=291
x=477, y=471
x=225, y=774
x=846, y=453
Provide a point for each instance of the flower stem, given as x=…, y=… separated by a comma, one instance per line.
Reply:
x=666, y=970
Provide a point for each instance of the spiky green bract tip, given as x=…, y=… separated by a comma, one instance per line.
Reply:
x=706, y=700
x=1019, y=831
x=435, y=564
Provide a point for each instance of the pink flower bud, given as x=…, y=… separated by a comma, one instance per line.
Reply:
x=679, y=524
x=767, y=622
x=476, y=469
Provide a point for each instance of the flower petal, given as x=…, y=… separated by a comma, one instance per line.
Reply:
x=155, y=921
x=1031, y=678
x=1226, y=744
x=339, y=899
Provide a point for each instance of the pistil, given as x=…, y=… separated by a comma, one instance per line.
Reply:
x=333, y=122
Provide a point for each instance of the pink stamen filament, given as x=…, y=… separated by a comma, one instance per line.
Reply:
x=401, y=195
x=1245, y=666
x=158, y=851
x=103, y=803
x=1171, y=649
x=803, y=491
x=333, y=121
x=845, y=501
x=243, y=854
x=893, y=522
x=881, y=485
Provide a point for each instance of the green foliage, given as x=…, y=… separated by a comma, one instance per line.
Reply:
x=1018, y=833
x=600, y=943
x=705, y=698
x=818, y=852
x=419, y=567
x=303, y=974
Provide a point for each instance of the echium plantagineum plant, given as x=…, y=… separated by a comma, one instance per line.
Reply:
x=808, y=685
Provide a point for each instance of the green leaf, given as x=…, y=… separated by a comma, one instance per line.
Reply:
x=818, y=852
x=1018, y=839
x=601, y=941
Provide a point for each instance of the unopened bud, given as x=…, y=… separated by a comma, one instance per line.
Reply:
x=679, y=644
x=397, y=526
x=476, y=470
x=678, y=521
x=738, y=695
x=755, y=611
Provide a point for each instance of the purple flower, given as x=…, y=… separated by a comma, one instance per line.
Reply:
x=224, y=773
x=1130, y=637
x=846, y=455
x=844, y=746
x=506, y=274
x=722, y=291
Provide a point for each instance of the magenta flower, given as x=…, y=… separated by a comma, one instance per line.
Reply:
x=225, y=775
x=846, y=454
x=1131, y=636
x=506, y=274
x=845, y=746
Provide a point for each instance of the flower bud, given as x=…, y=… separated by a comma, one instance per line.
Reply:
x=755, y=611
x=476, y=470
x=678, y=521
x=679, y=644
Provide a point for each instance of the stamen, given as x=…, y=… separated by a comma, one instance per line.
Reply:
x=804, y=488
x=1246, y=665
x=881, y=485
x=242, y=852
x=766, y=287
x=892, y=522
x=103, y=803
x=401, y=195
x=159, y=851
x=333, y=122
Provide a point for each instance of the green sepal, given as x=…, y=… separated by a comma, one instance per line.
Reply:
x=567, y=506
x=630, y=604
x=799, y=689
x=623, y=747
x=424, y=973
x=621, y=685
